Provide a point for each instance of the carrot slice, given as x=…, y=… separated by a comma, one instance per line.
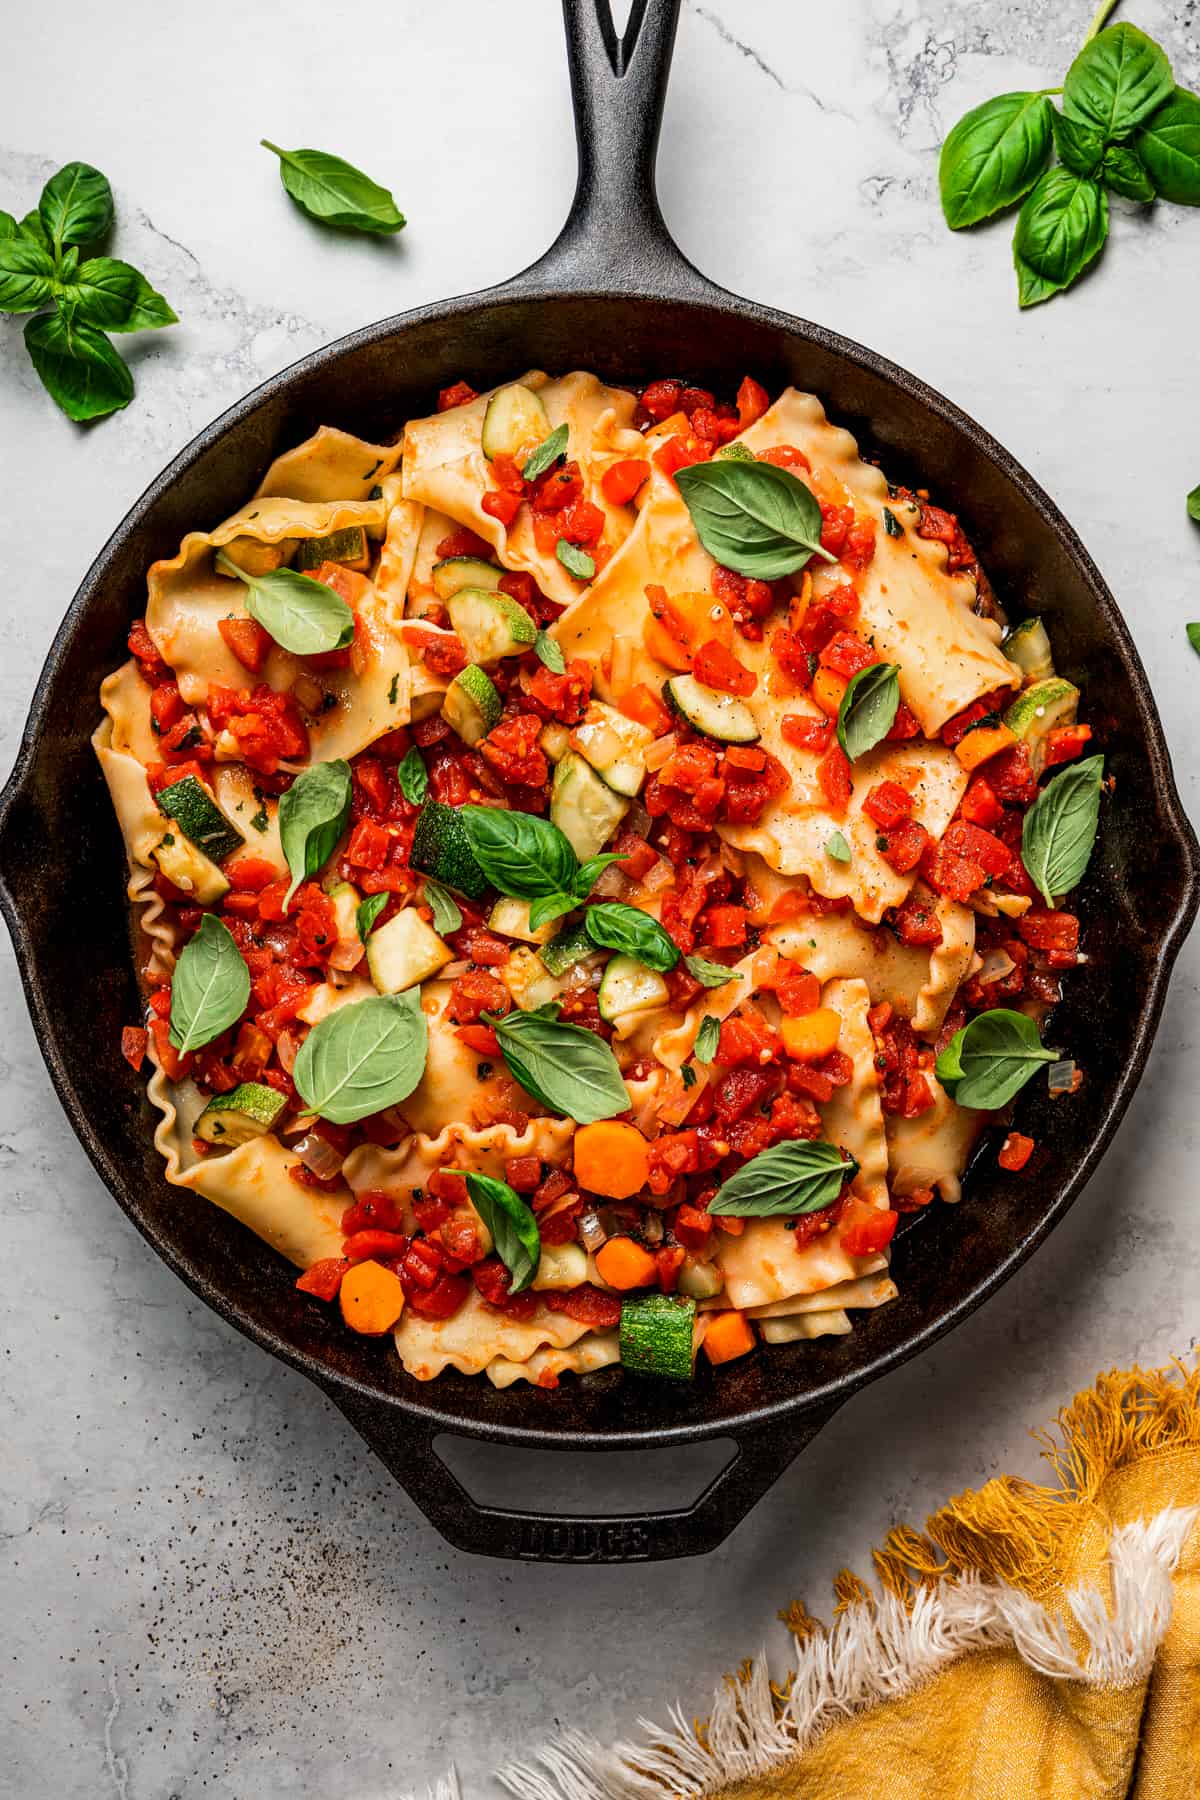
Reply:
x=623, y=1264
x=812, y=1035
x=728, y=1336
x=984, y=742
x=611, y=1158
x=827, y=690
x=371, y=1298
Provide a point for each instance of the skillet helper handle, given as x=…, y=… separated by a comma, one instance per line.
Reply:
x=615, y=235
x=406, y=1447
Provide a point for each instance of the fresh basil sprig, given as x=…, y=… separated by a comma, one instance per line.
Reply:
x=868, y=709
x=413, y=777
x=1060, y=828
x=210, y=986
x=992, y=1058
x=549, y=651
x=1193, y=505
x=302, y=615
x=752, y=517
x=784, y=1181
x=365, y=1056
x=707, y=1039
x=575, y=561
x=40, y=265
x=837, y=847
x=570, y=1070
x=313, y=814
x=546, y=453
x=614, y=926
x=709, y=974
x=1193, y=635
x=512, y=1225
x=528, y=858
x=447, y=914
x=1124, y=126
x=367, y=912
x=334, y=192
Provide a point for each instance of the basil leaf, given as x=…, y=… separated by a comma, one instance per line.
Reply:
x=1080, y=146
x=313, y=814
x=838, y=848
x=522, y=855
x=1117, y=81
x=993, y=156
x=575, y=561
x=570, y=1070
x=707, y=1039
x=992, y=1058
x=1193, y=636
x=367, y=913
x=334, y=192
x=8, y=225
x=550, y=907
x=1193, y=505
x=113, y=296
x=31, y=227
x=788, y=1179
x=1122, y=171
x=512, y=1225
x=549, y=651
x=413, y=777
x=1169, y=146
x=868, y=709
x=76, y=206
x=363, y=1057
x=447, y=915
x=302, y=615
x=709, y=974
x=210, y=988
x=1032, y=289
x=752, y=517
x=1061, y=228
x=547, y=452
x=614, y=926
x=1060, y=828
x=78, y=367
x=595, y=866
x=26, y=274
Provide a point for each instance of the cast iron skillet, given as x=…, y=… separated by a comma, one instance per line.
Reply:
x=614, y=295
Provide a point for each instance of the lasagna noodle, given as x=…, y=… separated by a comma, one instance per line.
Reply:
x=806, y=1326
x=912, y=610
x=436, y=527
x=141, y=827
x=598, y=1350
x=330, y=465
x=853, y=1116
x=866, y=1292
x=477, y=1335
x=932, y=1149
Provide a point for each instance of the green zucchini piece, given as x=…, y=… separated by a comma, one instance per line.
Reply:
x=722, y=717
x=511, y=919
x=657, y=1335
x=199, y=818
x=471, y=705
x=628, y=986
x=700, y=1280
x=528, y=980
x=555, y=740
x=234, y=1118
x=1039, y=710
x=514, y=417
x=490, y=624
x=191, y=871
x=614, y=745
x=585, y=809
x=734, y=452
x=405, y=952
x=440, y=848
x=348, y=547
x=567, y=948
x=456, y=572
x=1028, y=645
x=253, y=557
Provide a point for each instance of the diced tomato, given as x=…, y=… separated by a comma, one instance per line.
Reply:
x=622, y=480
x=749, y=601
x=246, y=639
x=587, y=1305
x=523, y=1173
x=797, y=990
x=916, y=923
x=724, y=927
x=904, y=845
x=847, y=654
x=679, y=453
x=806, y=733
x=323, y=1279
x=717, y=667
x=1015, y=1152
x=442, y=1300
x=834, y=775
x=858, y=551
x=888, y=804
x=752, y=402
x=748, y=792
x=360, y=1245
x=746, y=1038
x=835, y=524
x=166, y=706
x=692, y=1227
x=668, y=1261
x=905, y=725
x=463, y=542
x=499, y=504
x=745, y=756
x=661, y=399
x=457, y=395
x=643, y=706
x=512, y=750
x=785, y=456
x=639, y=856
x=869, y=1232
x=1056, y=934
x=134, y=1040
x=979, y=805
x=474, y=994
x=1065, y=743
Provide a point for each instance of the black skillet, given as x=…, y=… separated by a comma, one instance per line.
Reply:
x=614, y=295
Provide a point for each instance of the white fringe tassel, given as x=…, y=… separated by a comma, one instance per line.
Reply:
x=877, y=1650
x=445, y=1789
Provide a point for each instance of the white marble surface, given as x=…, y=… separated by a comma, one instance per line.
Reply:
x=208, y=1587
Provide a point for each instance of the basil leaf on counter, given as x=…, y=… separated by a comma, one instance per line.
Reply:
x=752, y=517
x=447, y=915
x=993, y=156
x=570, y=1070
x=1060, y=828
x=1080, y=146
x=524, y=856
x=513, y=1227
x=837, y=847
x=868, y=709
x=210, y=987
x=992, y=1058
x=76, y=206
x=1122, y=171
x=313, y=814
x=1118, y=79
x=365, y=1056
x=1169, y=146
x=784, y=1181
x=575, y=561
x=1193, y=636
x=113, y=296
x=709, y=974
x=707, y=1039
x=78, y=367
x=8, y=225
x=334, y=192
x=614, y=926
x=367, y=913
x=26, y=274
x=1193, y=505
x=549, y=651
x=1061, y=228
x=546, y=453
x=302, y=615
x=413, y=777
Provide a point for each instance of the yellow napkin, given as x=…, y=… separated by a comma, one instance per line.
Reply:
x=1033, y=1643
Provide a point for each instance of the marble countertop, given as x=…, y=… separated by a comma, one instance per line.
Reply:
x=209, y=1587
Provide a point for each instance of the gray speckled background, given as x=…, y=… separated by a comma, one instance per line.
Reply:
x=208, y=1587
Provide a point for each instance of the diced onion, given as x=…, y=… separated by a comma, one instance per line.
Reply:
x=611, y=884
x=453, y=970
x=662, y=875
x=652, y=1228
x=1061, y=1076
x=319, y=1156
x=590, y=1231
x=996, y=965
x=288, y=1048
x=308, y=692
x=298, y=1127
x=659, y=752
x=637, y=819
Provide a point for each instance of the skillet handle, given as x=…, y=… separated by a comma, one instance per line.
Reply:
x=406, y=1447
x=615, y=235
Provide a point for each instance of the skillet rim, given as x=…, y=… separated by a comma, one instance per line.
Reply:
x=531, y=288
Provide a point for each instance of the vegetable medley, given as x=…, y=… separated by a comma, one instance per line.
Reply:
x=600, y=861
